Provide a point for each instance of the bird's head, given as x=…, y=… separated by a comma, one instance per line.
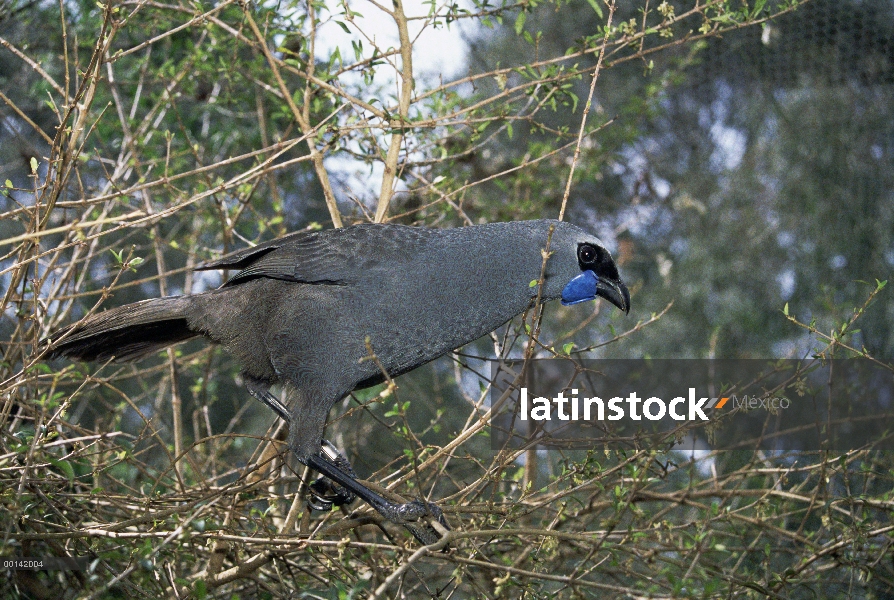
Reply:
x=581, y=269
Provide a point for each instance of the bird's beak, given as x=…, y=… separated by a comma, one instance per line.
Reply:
x=615, y=292
x=587, y=286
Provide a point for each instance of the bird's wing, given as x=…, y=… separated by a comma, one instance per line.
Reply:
x=242, y=258
x=333, y=257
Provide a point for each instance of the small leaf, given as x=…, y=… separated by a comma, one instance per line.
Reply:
x=8, y=183
x=596, y=7
x=533, y=283
x=568, y=347
x=65, y=467
x=33, y=165
x=520, y=22
x=785, y=309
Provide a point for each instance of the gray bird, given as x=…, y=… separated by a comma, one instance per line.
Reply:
x=306, y=309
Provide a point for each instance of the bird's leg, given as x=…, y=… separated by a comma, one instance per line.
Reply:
x=261, y=391
x=324, y=493
x=334, y=467
x=411, y=515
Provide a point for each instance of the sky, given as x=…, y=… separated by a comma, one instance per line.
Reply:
x=438, y=54
x=435, y=50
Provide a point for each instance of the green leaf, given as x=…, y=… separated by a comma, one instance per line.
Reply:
x=758, y=7
x=520, y=22
x=8, y=183
x=65, y=467
x=533, y=283
x=566, y=349
x=785, y=309
x=596, y=7
x=33, y=165
x=343, y=26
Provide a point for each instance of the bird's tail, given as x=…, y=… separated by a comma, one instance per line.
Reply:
x=125, y=332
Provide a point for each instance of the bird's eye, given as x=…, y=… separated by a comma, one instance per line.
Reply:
x=587, y=254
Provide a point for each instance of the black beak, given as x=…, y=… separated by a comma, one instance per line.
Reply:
x=615, y=292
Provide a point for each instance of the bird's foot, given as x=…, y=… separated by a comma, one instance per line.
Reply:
x=417, y=517
x=424, y=520
x=325, y=493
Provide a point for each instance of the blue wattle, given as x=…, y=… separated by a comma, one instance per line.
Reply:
x=580, y=289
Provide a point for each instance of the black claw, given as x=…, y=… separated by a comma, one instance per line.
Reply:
x=422, y=529
x=325, y=493
x=318, y=502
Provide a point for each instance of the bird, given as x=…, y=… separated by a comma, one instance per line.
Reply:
x=307, y=311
